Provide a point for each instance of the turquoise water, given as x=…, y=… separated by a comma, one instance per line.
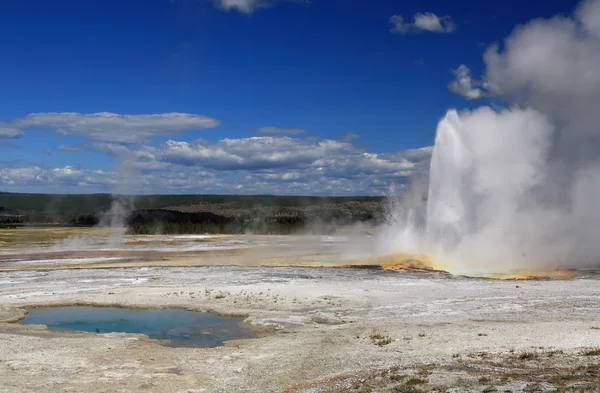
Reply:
x=183, y=328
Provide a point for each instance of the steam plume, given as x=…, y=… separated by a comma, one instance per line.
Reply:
x=123, y=198
x=520, y=187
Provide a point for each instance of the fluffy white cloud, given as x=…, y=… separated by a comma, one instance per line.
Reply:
x=279, y=165
x=431, y=22
x=423, y=21
x=251, y=153
x=8, y=131
x=109, y=127
x=465, y=85
x=353, y=166
x=283, y=163
x=249, y=6
x=55, y=177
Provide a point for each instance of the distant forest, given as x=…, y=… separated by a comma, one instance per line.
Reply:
x=180, y=214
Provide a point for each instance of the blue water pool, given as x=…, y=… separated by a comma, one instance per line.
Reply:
x=182, y=328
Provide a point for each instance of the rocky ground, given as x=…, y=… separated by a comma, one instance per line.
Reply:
x=320, y=330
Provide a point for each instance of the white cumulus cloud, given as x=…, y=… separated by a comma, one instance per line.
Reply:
x=249, y=6
x=423, y=21
x=109, y=127
x=250, y=153
x=279, y=165
x=464, y=85
x=68, y=176
x=9, y=131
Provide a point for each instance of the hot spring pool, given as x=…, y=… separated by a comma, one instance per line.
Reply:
x=182, y=328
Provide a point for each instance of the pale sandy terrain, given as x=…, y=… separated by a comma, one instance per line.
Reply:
x=321, y=330
x=32, y=248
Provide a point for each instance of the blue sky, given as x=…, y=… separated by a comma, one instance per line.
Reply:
x=347, y=94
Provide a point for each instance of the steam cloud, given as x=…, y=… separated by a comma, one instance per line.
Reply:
x=116, y=216
x=519, y=187
x=123, y=199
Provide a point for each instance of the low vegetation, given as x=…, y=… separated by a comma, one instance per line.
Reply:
x=191, y=214
x=380, y=339
x=528, y=355
x=498, y=372
x=591, y=352
x=10, y=220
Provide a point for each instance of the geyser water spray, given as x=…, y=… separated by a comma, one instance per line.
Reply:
x=517, y=187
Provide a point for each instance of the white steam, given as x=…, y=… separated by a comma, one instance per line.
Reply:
x=115, y=217
x=519, y=187
x=123, y=199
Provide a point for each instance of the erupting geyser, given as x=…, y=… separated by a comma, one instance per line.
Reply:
x=482, y=209
x=517, y=187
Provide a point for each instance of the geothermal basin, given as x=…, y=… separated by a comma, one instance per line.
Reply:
x=316, y=327
x=180, y=328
